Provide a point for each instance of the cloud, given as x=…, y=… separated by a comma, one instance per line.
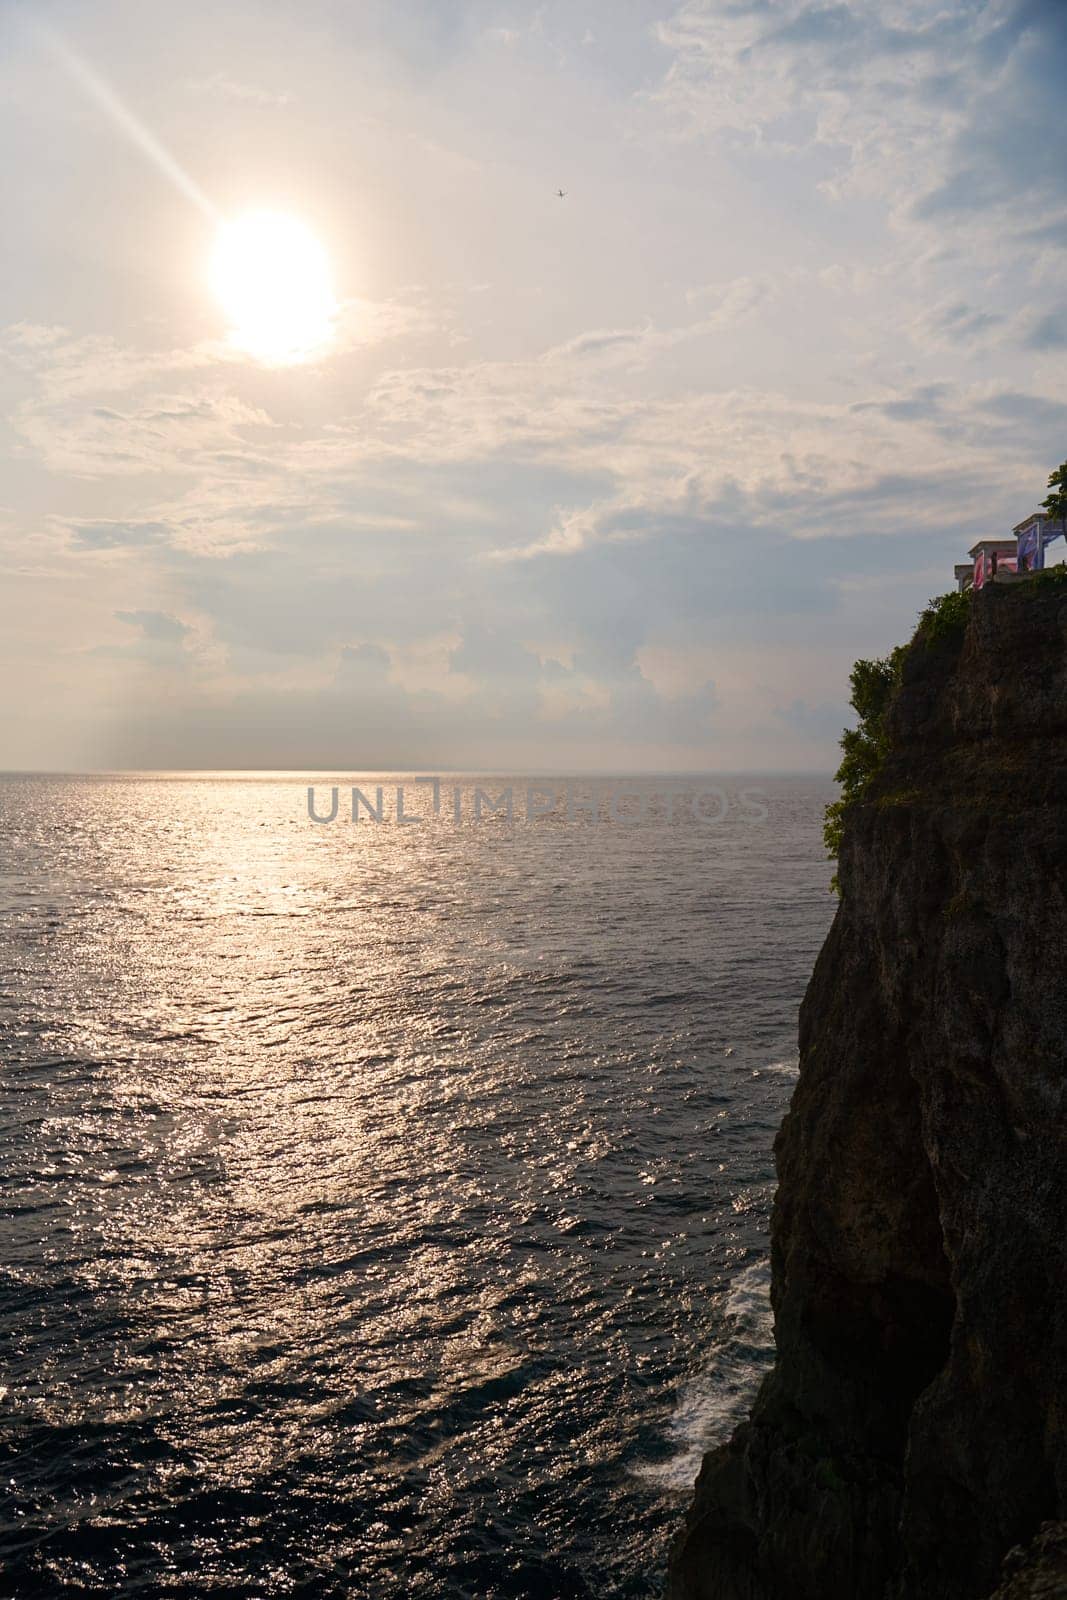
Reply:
x=1049, y=332
x=363, y=322
x=362, y=717
x=173, y=432
x=923, y=404
x=103, y=535
x=221, y=86
x=632, y=461
x=954, y=322
x=732, y=301
x=819, y=722
x=956, y=104
x=370, y=657
x=157, y=626
x=66, y=365
x=599, y=342
x=1030, y=411
x=1001, y=155
x=1050, y=233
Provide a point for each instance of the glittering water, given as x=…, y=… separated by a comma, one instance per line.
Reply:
x=384, y=1208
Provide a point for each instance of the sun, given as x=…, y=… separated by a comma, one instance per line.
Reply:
x=272, y=278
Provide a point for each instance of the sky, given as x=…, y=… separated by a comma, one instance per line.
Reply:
x=623, y=481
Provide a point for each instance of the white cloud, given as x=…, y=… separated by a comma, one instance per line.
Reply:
x=222, y=86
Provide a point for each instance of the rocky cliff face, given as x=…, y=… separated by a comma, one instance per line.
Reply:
x=914, y=1428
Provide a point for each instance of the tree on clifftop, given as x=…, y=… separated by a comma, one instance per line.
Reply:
x=1056, y=504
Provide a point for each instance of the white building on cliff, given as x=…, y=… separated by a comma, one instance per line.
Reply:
x=1008, y=560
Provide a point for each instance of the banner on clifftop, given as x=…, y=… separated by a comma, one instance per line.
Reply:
x=1032, y=547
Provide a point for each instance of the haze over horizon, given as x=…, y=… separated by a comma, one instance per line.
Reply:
x=623, y=480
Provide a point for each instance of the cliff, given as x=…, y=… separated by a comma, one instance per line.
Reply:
x=913, y=1430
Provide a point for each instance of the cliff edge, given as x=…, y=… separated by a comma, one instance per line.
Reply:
x=913, y=1430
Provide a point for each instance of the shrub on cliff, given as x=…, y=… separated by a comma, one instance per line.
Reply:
x=945, y=617
x=864, y=746
x=873, y=683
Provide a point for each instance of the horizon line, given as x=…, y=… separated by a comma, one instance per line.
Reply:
x=322, y=773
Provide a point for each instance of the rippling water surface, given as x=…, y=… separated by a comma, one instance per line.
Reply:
x=384, y=1208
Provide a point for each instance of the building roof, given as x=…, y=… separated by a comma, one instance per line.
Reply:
x=1035, y=516
x=1000, y=547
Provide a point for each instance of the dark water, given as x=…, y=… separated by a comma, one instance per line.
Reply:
x=384, y=1209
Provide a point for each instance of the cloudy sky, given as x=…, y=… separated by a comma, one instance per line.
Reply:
x=621, y=481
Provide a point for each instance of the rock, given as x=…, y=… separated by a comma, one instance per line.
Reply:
x=914, y=1427
x=1040, y=1571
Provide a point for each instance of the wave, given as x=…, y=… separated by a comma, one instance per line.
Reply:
x=711, y=1404
x=784, y=1069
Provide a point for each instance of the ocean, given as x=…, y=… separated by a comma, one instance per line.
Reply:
x=384, y=1206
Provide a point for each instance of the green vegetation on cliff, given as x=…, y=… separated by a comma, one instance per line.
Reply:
x=873, y=685
x=1056, y=503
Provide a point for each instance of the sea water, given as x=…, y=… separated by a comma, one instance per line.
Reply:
x=385, y=1207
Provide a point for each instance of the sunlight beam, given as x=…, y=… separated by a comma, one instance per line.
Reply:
x=97, y=90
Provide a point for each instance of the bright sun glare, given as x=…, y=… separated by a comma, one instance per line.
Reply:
x=272, y=278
